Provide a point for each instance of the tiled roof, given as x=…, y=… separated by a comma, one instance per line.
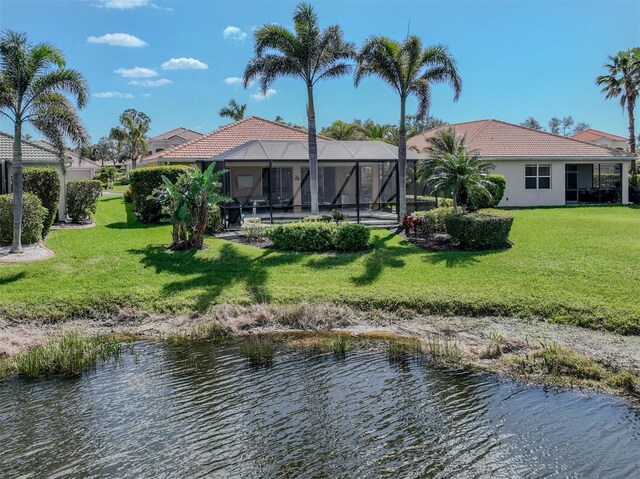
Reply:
x=76, y=161
x=593, y=135
x=327, y=150
x=230, y=136
x=498, y=139
x=30, y=151
x=183, y=133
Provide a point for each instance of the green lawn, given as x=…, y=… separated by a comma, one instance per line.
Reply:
x=576, y=265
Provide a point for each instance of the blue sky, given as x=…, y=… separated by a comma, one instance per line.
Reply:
x=516, y=58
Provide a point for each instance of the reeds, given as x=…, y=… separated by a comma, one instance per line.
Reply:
x=259, y=351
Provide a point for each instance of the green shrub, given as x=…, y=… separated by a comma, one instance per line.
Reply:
x=254, y=230
x=107, y=175
x=339, y=216
x=45, y=184
x=33, y=217
x=319, y=236
x=302, y=236
x=497, y=185
x=82, y=199
x=431, y=222
x=351, y=237
x=128, y=198
x=143, y=182
x=214, y=219
x=317, y=219
x=482, y=230
x=634, y=180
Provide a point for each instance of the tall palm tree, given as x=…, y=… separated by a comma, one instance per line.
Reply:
x=409, y=69
x=33, y=83
x=131, y=135
x=307, y=53
x=233, y=110
x=340, y=130
x=378, y=132
x=453, y=170
x=623, y=80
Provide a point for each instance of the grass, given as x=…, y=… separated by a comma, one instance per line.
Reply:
x=339, y=344
x=68, y=355
x=259, y=351
x=574, y=265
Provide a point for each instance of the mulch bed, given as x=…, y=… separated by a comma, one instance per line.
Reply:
x=264, y=243
x=440, y=242
x=72, y=226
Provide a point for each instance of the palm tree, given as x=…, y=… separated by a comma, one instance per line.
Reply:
x=410, y=70
x=233, y=110
x=453, y=170
x=307, y=53
x=33, y=81
x=339, y=130
x=623, y=80
x=378, y=132
x=131, y=135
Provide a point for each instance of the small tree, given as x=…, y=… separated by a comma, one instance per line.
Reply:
x=131, y=135
x=108, y=175
x=186, y=203
x=233, y=110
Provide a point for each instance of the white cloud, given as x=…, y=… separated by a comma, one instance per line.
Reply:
x=136, y=72
x=260, y=97
x=112, y=94
x=129, y=4
x=234, y=33
x=146, y=95
x=184, y=64
x=118, y=40
x=151, y=83
x=236, y=81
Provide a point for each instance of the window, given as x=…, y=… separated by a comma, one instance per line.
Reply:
x=537, y=177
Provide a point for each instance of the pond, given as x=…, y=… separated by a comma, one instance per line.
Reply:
x=199, y=410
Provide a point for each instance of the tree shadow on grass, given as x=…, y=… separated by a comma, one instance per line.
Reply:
x=12, y=278
x=214, y=275
x=132, y=221
x=453, y=259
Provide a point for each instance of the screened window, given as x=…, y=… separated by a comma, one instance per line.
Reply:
x=537, y=177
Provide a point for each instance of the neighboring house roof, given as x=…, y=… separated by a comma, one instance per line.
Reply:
x=500, y=140
x=183, y=133
x=593, y=135
x=230, y=136
x=76, y=161
x=31, y=152
x=299, y=150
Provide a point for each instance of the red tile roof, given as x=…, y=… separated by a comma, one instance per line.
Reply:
x=498, y=139
x=230, y=136
x=183, y=133
x=593, y=135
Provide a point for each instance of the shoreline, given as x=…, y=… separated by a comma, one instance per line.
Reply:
x=510, y=347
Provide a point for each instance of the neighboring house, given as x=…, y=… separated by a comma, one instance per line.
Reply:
x=33, y=156
x=77, y=168
x=543, y=169
x=170, y=139
x=603, y=139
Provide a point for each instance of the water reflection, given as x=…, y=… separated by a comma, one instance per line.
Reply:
x=200, y=411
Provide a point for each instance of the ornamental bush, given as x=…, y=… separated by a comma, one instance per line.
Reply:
x=634, y=180
x=143, y=183
x=82, y=199
x=317, y=218
x=428, y=223
x=351, y=237
x=214, y=219
x=45, y=184
x=128, y=198
x=319, y=236
x=497, y=185
x=33, y=217
x=481, y=230
x=253, y=229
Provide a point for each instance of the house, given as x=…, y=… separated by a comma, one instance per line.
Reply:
x=268, y=165
x=543, y=169
x=171, y=138
x=77, y=168
x=33, y=156
x=603, y=139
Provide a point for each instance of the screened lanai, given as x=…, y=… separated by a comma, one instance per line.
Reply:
x=270, y=179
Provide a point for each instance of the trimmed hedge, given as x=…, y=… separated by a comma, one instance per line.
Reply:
x=143, y=182
x=497, y=185
x=634, y=180
x=319, y=236
x=481, y=230
x=214, y=219
x=45, y=184
x=428, y=223
x=82, y=199
x=33, y=217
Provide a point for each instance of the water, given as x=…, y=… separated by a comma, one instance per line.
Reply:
x=196, y=411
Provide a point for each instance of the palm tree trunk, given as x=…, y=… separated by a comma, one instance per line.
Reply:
x=455, y=203
x=402, y=159
x=16, y=166
x=631, y=103
x=313, y=151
